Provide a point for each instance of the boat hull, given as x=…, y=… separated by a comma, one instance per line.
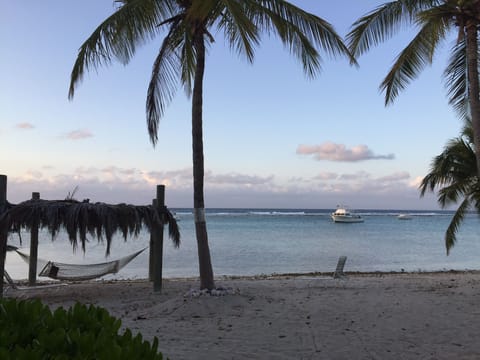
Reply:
x=347, y=219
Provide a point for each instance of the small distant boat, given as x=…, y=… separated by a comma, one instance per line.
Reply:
x=344, y=215
x=404, y=217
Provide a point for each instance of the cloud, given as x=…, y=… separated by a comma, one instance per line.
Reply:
x=78, y=134
x=365, y=180
x=339, y=152
x=25, y=126
x=115, y=185
x=114, y=169
x=236, y=179
x=398, y=176
x=180, y=179
x=359, y=175
x=416, y=182
x=326, y=176
x=33, y=174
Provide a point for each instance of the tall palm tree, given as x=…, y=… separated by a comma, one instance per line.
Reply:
x=188, y=25
x=454, y=174
x=435, y=20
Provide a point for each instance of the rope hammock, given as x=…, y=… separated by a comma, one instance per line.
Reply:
x=80, y=272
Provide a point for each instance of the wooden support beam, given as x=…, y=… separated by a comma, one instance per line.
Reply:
x=32, y=265
x=4, y=233
x=157, y=234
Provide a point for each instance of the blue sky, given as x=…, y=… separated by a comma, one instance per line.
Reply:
x=272, y=137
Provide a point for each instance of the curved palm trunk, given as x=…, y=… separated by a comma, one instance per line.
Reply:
x=473, y=87
x=204, y=261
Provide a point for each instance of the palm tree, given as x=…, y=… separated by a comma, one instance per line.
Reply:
x=188, y=28
x=454, y=173
x=435, y=19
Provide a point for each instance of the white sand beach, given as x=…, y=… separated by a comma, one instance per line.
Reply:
x=366, y=316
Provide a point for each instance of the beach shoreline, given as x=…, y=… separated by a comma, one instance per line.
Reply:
x=301, y=316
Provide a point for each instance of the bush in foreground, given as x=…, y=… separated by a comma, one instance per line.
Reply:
x=30, y=330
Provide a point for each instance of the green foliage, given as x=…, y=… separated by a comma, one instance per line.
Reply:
x=454, y=173
x=30, y=330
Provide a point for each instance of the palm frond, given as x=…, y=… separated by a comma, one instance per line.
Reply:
x=416, y=55
x=475, y=196
x=71, y=195
x=467, y=132
x=451, y=194
x=454, y=172
x=439, y=175
x=299, y=30
x=164, y=80
x=131, y=25
x=189, y=62
x=239, y=30
x=454, y=169
x=456, y=80
x=383, y=22
x=457, y=219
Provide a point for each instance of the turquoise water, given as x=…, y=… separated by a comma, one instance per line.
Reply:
x=253, y=242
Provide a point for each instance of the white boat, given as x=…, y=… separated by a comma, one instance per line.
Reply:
x=404, y=217
x=344, y=215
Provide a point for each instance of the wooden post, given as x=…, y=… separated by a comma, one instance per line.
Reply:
x=158, y=242
x=3, y=233
x=32, y=265
x=151, y=261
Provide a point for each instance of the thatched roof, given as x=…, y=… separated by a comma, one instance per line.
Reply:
x=5, y=207
x=80, y=219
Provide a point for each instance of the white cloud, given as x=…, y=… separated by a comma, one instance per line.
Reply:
x=360, y=175
x=180, y=179
x=339, y=152
x=25, y=126
x=403, y=175
x=236, y=179
x=326, y=176
x=415, y=183
x=112, y=169
x=78, y=134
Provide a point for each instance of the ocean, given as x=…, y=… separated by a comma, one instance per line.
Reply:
x=247, y=242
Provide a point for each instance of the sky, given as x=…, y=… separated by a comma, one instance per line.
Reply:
x=273, y=138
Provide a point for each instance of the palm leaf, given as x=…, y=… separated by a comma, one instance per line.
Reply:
x=164, y=80
x=383, y=22
x=189, y=61
x=416, y=55
x=454, y=169
x=239, y=30
x=454, y=172
x=457, y=219
x=300, y=31
x=119, y=36
x=455, y=76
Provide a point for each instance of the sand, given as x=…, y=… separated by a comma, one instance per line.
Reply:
x=365, y=316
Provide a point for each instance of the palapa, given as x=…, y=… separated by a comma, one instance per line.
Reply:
x=80, y=219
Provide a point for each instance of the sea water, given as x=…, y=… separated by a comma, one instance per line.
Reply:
x=278, y=241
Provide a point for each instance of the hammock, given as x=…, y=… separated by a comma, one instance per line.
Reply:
x=78, y=272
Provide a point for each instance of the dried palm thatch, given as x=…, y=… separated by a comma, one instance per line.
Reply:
x=80, y=219
x=5, y=207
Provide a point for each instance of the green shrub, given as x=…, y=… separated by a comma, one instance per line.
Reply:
x=30, y=330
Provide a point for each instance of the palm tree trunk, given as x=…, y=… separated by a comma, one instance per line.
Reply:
x=204, y=261
x=473, y=87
